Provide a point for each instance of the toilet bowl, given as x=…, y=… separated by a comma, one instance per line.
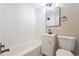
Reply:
x=66, y=45
x=63, y=52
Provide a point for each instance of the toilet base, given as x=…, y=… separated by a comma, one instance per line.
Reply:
x=63, y=52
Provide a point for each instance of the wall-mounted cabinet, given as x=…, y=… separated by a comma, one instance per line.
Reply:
x=53, y=17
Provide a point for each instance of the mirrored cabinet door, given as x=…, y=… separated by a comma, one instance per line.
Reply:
x=52, y=17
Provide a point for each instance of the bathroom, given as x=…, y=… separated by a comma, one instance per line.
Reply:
x=23, y=24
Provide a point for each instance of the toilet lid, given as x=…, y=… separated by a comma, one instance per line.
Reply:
x=62, y=52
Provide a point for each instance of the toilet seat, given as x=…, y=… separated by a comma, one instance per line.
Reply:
x=63, y=52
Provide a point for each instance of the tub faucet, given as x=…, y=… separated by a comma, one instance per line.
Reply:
x=2, y=51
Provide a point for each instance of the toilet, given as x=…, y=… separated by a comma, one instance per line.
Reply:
x=66, y=46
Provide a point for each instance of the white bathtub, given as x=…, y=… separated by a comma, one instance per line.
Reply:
x=24, y=49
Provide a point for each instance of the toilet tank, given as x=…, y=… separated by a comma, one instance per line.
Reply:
x=66, y=42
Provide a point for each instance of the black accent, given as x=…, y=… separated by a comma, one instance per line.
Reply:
x=50, y=33
x=43, y=54
x=64, y=16
x=5, y=50
x=2, y=45
x=1, y=50
x=48, y=18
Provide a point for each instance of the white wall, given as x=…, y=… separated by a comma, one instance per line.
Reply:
x=18, y=24
x=40, y=22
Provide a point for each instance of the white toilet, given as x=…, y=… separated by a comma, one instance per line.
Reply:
x=66, y=46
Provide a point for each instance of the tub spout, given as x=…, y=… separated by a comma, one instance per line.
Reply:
x=4, y=51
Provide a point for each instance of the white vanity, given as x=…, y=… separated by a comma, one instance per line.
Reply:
x=48, y=44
